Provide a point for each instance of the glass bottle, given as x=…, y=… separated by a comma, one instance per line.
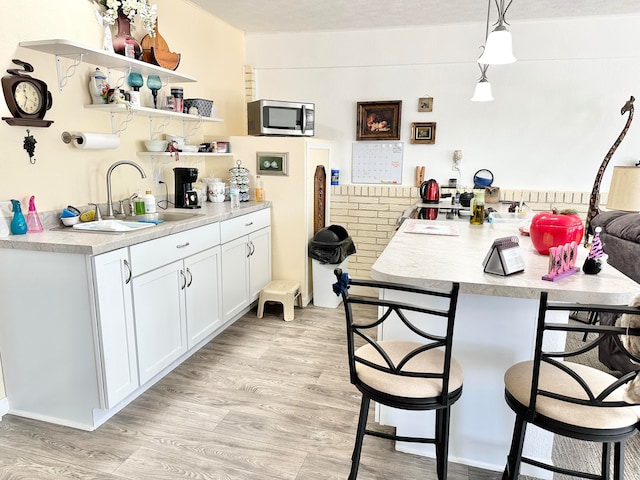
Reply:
x=259, y=189
x=477, y=209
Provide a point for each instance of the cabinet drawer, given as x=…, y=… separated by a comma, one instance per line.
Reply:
x=244, y=225
x=162, y=251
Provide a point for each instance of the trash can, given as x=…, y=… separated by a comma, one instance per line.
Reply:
x=328, y=250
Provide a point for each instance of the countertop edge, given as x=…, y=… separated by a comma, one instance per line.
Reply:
x=91, y=243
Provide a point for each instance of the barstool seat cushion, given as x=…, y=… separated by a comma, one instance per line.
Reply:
x=517, y=380
x=430, y=361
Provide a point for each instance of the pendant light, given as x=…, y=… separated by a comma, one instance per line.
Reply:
x=482, y=92
x=498, y=48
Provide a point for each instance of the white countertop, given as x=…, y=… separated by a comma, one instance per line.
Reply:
x=68, y=240
x=436, y=260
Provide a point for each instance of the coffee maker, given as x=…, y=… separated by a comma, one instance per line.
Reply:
x=185, y=196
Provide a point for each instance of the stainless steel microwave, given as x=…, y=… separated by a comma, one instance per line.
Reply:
x=273, y=117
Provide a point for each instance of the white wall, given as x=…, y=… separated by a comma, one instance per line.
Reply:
x=556, y=111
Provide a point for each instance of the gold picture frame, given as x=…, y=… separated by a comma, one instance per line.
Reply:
x=272, y=163
x=379, y=120
x=423, y=132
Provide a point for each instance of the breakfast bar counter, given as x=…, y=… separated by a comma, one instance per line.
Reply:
x=495, y=328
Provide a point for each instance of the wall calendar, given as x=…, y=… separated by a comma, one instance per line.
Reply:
x=379, y=162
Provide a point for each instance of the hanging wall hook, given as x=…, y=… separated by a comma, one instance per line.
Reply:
x=30, y=146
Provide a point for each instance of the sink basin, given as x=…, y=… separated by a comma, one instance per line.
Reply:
x=118, y=226
x=164, y=216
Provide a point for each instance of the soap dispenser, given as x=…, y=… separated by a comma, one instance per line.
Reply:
x=18, y=223
x=33, y=220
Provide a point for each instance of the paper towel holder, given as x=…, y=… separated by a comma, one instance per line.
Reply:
x=68, y=138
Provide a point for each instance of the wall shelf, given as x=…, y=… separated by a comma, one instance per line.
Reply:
x=150, y=112
x=183, y=154
x=82, y=53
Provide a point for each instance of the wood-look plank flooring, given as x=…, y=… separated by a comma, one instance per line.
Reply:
x=266, y=399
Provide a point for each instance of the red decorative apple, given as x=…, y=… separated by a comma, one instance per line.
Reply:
x=550, y=229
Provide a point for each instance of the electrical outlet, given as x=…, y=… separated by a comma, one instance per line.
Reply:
x=5, y=209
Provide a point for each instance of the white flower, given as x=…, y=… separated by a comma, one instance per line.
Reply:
x=142, y=8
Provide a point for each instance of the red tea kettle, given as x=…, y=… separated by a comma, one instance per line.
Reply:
x=429, y=193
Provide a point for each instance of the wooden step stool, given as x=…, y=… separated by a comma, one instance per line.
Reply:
x=282, y=291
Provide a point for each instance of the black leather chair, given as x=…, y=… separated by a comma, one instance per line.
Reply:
x=562, y=396
x=415, y=374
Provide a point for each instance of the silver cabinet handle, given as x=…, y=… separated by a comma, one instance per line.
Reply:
x=186, y=244
x=248, y=224
x=126, y=264
x=252, y=247
x=248, y=247
x=190, y=278
x=184, y=285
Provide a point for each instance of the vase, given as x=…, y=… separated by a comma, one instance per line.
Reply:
x=124, y=38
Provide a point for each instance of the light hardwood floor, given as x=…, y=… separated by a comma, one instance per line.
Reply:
x=266, y=399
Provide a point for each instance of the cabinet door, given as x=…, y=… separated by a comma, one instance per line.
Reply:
x=235, y=272
x=259, y=261
x=204, y=305
x=114, y=307
x=159, y=306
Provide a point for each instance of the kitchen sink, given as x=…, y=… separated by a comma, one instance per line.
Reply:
x=129, y=224
x=164, y=216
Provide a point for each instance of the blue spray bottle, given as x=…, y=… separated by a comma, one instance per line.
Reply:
x=18, y=223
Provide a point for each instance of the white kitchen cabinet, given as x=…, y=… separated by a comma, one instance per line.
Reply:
x=161, y=325
x=203, y=295
x=114, y=305
x=172, y=301
x=246, y=260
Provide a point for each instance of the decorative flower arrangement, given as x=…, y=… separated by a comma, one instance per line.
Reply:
x=130, y=8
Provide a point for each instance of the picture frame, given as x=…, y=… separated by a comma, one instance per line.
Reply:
x=425, y=104
x=379, y=120
x=272, y=163
x=423, y=132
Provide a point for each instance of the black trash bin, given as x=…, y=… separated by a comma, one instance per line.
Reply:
x=330, y=247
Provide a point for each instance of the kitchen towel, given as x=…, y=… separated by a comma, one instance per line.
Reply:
x=96, y=141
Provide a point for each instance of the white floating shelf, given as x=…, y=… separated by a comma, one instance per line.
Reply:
x=102, y=58
x=150, y=112
x=183, y=154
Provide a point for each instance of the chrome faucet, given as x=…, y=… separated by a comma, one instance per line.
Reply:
x=111, y=168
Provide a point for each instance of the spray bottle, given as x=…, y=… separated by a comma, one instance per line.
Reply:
x=33, y=220
x=18, y=223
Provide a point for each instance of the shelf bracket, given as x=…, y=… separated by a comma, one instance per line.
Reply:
x=71, y=70
x=153, y=134
x=123, y=125
x=188, y=135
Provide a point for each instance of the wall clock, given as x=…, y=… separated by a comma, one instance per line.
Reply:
x=28, y=98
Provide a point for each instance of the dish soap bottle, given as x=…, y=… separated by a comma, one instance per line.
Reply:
x=18, y=223
x=149, y=202
x=139, y=204
x=33, y=220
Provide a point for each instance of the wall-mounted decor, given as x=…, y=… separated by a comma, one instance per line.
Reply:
x=379, y=120
x=423, y=132
x=425, y=104
x=270, y=163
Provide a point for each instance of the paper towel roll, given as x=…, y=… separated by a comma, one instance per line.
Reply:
x=96, y=141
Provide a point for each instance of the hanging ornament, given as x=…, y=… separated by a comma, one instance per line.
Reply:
x=30, y=146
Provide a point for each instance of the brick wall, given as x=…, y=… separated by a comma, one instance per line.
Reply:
x=369, y=214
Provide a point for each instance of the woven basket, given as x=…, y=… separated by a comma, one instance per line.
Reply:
x=204, y=106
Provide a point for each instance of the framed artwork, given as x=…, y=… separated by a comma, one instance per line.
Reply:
x=425, y=104
x=270, y=163
x=423, y=132
x=379, y=120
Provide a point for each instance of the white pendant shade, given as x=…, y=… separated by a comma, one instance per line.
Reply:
x=498, y=50
x=482, y=92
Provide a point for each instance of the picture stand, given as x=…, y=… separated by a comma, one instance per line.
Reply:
x=562, y=262
x=504, y=257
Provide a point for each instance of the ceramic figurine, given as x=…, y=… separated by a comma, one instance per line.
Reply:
x=98, y=87
x=596, y=259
